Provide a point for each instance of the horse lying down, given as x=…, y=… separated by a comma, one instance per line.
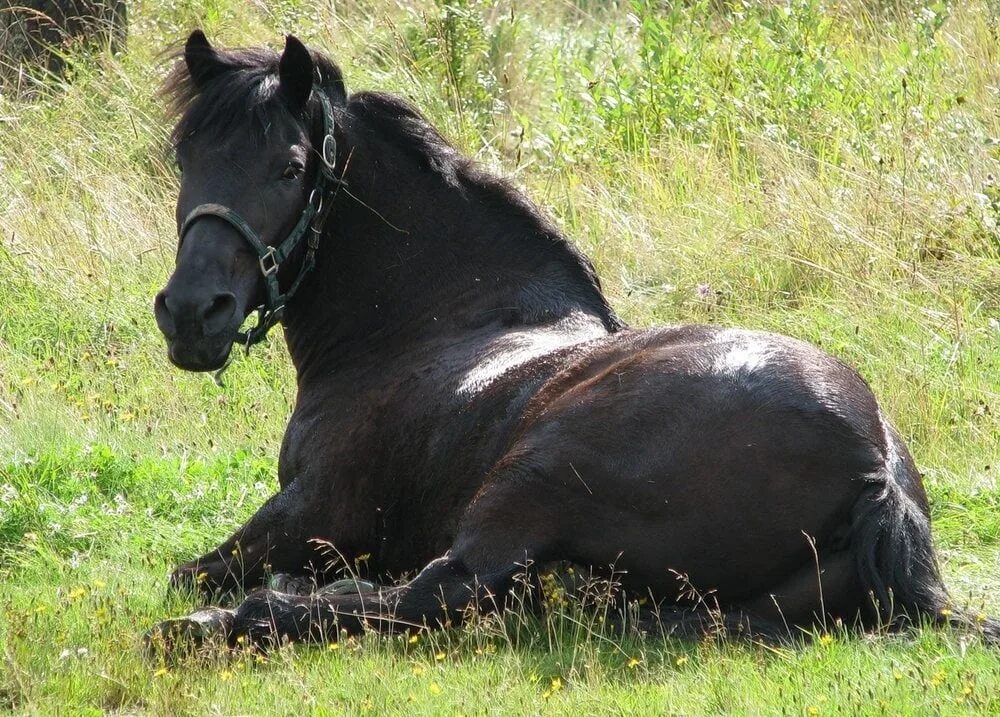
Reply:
x=469, y=406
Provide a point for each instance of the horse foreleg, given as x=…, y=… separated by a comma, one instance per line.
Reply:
x=439, y=596
x=500, y=537
x=274, y=539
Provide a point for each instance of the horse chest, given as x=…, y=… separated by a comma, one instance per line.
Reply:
x=391, y=476
x=395, y=463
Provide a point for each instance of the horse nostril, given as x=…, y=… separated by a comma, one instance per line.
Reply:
x=218, y=312
x=164, y=317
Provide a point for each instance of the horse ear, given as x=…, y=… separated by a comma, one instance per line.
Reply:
x=201, y=59
x=295, y=71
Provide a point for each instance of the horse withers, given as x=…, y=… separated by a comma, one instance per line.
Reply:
x=469, y=406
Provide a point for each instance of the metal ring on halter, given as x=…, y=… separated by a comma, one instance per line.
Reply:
x=329, y=152
x=316, y=200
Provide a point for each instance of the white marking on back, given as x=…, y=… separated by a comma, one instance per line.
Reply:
x=518, y=347
x=744, y=354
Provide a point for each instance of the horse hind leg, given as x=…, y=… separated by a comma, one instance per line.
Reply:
x=700, y=622
x=822, y=592
x=887, y=576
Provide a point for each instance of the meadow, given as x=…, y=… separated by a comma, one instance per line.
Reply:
x=828, y=170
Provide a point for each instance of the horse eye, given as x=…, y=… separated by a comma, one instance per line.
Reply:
x=292, y=171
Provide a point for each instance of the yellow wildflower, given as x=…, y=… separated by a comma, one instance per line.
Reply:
x=634, y=662
x=435, y=688
x=554, y=686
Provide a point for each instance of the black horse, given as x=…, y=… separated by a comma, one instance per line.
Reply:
x=470, y=406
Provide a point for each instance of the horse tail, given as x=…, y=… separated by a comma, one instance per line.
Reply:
x=895, y=555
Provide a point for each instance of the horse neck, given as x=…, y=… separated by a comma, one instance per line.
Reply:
x=411, y=255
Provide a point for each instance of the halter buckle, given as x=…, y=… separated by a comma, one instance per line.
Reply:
x=269, y=262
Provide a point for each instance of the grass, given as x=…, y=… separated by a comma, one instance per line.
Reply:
x=829, y=171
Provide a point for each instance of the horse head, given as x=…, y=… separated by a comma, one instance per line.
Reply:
x=256, y=146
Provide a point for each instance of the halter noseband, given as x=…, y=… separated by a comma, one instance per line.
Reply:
x=270, y=257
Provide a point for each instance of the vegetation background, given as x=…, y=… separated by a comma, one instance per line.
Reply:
x=828, y=170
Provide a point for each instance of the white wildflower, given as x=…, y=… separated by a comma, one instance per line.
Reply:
x=8, y=494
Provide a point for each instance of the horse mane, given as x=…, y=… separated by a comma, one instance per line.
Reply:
x=404, y=126
x=249, y=85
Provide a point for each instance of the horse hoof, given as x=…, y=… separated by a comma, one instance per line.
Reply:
x=200, y=631
x=347, y=587
x=302, y=586
x=291, y=584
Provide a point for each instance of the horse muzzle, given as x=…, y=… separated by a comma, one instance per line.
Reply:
x=198, y=357
x=199, y=330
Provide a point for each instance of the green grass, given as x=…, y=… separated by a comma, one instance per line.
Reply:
x=829, y=171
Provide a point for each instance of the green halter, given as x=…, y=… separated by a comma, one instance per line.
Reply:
x=310, y=224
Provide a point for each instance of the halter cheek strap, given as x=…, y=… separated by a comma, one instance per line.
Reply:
x=309, y=226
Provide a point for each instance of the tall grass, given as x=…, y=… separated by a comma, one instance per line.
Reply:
x=826, y=170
